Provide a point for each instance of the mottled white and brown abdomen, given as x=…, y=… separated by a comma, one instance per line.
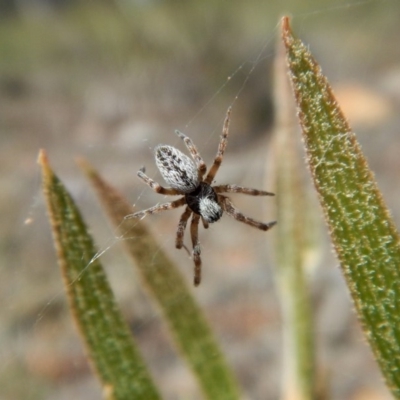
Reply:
x=177, y=169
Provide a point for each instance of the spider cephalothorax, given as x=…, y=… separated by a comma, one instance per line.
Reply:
x=205, y=202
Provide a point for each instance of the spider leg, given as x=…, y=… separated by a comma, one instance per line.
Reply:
x=181, y=228
x=221, y=149
x=205, y=223
x=194, y=232
x=154, y=185
x=157, y=208
x=201, y=165
x=241, y=189
x=232, y=211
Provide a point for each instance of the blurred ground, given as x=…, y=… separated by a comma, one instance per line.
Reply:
x=111, y=81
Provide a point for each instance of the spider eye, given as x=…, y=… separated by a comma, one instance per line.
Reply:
x=177, y=169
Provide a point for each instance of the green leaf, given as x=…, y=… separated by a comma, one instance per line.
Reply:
x=362, y=231
x=291, y=240
x=166, y=285
x=106, y=335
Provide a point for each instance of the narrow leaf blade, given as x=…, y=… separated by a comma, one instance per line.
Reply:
x=106, y=336
x=363, y=233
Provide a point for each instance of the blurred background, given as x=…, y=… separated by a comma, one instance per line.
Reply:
x=109, y=80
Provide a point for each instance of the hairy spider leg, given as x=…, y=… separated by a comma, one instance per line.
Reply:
x=181, y=227
x=154, y=185
x=241, y=189
x=158, y=208
x=232, y=211
x=200, y=164
x=194, y=232
x=205, y=223
x=221, y=149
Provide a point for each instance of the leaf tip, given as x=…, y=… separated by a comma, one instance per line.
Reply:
x=43, y=161
x=287, y=35
x=42, y=158
x=285, y=22
x=85, y=166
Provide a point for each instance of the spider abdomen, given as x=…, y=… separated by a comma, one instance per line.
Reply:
x=177, y=169
x=204, y=201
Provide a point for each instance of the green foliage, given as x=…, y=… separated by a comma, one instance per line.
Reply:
x=362, y=231
x=106, y=335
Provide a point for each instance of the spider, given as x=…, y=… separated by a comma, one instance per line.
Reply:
x=204, y=201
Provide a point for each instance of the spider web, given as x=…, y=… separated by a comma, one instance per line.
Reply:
x=349, y=44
